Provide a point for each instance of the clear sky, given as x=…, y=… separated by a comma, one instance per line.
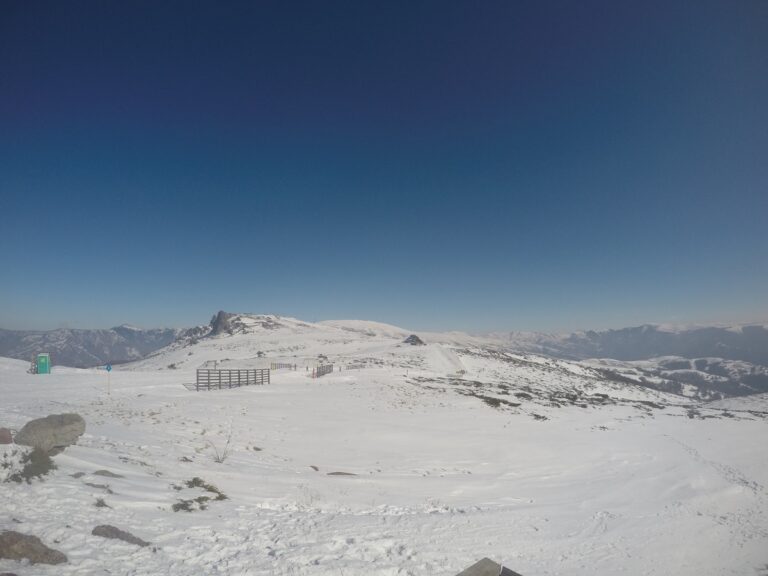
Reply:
x=512, y=165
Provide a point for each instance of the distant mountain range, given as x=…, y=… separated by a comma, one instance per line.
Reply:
x=86, y=348
x=745, y=342
x=706, y=362
x=716, y=360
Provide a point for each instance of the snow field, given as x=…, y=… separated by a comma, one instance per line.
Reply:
x=440, y=478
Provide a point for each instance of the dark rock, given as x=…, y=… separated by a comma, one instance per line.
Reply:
x=99, y=486
x=5, y=436
x=414, y=340
x=221, y=323
x=18, y=546
x=487, y=567
x=107, y=474
x=53, y=433
x=107, y=531
x=341, y=474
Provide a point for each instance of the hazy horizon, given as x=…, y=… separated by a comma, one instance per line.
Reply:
x=675, y=324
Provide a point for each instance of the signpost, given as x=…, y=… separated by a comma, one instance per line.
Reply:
x=108, y=368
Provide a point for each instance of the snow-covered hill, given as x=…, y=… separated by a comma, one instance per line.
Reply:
x=405, y=460
x=257, y=340
x=251, y=338
x=679, y=360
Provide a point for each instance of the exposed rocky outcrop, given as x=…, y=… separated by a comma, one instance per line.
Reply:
x=414, y=340
x=229, y=323
x=221, y=323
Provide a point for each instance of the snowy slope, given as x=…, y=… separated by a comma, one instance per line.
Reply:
x=259, y=339
x=458, y=451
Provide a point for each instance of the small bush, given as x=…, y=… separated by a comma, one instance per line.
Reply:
x=493, y=402
x=185, y=505
x=220, y=456
x=34, y=464
x=198, y=482
x=201, y=502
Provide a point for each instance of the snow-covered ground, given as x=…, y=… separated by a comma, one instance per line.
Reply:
x=452, y=451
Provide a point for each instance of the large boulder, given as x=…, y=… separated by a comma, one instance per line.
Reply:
x=18, y=546
x=52, y=433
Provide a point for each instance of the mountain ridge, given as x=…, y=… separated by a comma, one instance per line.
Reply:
x=85, y=348
x=707, y=362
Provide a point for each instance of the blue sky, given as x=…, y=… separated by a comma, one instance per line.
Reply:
x=437, y=165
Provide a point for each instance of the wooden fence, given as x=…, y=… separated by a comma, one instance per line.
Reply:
x=322, y=370
x=280, y=365
x=219, y=379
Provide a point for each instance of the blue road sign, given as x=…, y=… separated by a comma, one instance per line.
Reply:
x=109, y=367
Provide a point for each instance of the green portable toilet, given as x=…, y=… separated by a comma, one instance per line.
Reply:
x=43, y=364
